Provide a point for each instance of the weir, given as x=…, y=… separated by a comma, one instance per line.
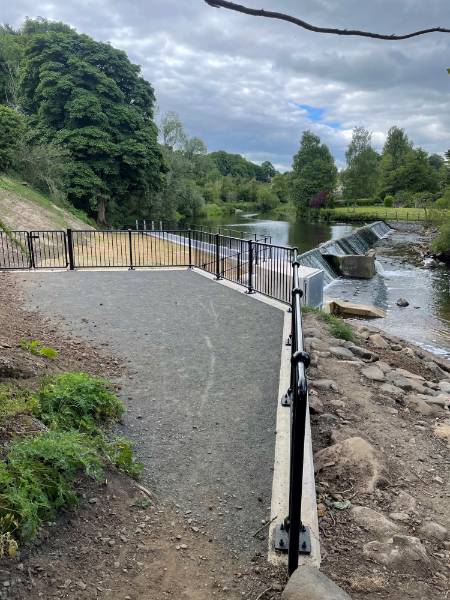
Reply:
x=358, y=242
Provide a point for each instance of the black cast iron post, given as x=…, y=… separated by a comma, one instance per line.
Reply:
x=70, y=250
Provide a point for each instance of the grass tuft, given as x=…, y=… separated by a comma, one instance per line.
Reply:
x=37, y=348
x=16, y=401
x=337, y=327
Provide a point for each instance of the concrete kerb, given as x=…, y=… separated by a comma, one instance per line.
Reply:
x=280, y=483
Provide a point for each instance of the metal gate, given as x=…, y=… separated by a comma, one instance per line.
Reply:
x=33, y=250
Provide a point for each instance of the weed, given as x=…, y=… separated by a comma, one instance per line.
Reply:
x=16, y=401
x=120, y=453
x=36, y=347
x=77, y=401
x=38, y=475
x=337, y=327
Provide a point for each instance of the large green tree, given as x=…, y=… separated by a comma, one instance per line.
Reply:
x=90, y=99
x=314, y=170
x=360, y=178
x=11, y=132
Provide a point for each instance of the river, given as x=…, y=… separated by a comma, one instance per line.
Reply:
x=425, y=322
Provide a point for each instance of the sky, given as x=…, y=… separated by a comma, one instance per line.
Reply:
x=252, y=86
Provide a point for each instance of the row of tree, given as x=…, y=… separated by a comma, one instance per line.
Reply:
x=400, y=172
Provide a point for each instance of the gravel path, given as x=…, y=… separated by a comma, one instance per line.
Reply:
x=201, y=391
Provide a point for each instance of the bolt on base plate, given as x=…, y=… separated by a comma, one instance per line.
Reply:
x=286, y=400
x=281, y=540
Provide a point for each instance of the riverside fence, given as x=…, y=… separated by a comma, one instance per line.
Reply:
x=254, y=263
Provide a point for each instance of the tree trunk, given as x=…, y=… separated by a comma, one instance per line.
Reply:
x=101, y=211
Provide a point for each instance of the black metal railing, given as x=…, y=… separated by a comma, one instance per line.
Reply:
x=291, y=535
x=259, y=265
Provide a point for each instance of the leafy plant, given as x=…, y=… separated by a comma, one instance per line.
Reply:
x=120, y=453
x=337, y=327
x=77, y=401
x=37, y=478
x=36, y=347
x=15, y=400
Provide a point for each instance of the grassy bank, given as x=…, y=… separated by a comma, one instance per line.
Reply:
x=362, y=213
x=211, y=211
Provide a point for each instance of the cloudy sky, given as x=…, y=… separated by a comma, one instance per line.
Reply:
x=252, y=85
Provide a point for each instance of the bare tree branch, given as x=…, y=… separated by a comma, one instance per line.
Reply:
x=296, y=21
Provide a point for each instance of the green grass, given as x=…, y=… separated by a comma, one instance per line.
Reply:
x=39, y=475
x=211, y=211
x=336, y=326
x=37, y=348
x=10, y=184
x=362, y=213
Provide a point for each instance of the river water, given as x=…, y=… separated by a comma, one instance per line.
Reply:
x=425, y=322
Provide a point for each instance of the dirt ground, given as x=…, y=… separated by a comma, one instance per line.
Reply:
x=415, y=460
x=123, y=542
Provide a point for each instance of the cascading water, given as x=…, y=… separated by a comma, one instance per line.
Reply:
x=358, y=242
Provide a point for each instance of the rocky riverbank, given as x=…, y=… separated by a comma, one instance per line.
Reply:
x=381, y=434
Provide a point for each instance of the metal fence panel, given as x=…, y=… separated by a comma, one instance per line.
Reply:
x=14, y=250
x=48, y=249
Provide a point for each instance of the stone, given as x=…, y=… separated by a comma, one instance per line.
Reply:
x=441, y=400
x=308, y=583
x=351, y=462
x=342, y=353
x=402, y=302
x=374, y=373
x=381, y=364
x=431, y=530
x=409, y=375
x=351, y=309
x=313, y=343
x=328, y=418
x=391, y=390
x=313, y=332
x=363, y=353
x=400, y=516
x=430, y=263
x=315, y=405
x=442, y=431
x=404, y=383
x=444, y=386
x=374, y=522
x=378, y=341
x=324, y=384
x=402, y=552
x=404, y=502
x=418, y=403
x=396, y=348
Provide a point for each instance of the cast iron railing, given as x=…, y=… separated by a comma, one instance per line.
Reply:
x=291, y=535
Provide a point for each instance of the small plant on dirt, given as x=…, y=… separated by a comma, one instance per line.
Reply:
x=337, y=327
x=16, y=401
x=77, y=401
x=8, y=545
x=120, y=453
x=38, y=477
x=37, y=348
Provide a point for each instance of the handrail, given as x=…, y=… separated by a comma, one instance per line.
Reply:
x=292, y=535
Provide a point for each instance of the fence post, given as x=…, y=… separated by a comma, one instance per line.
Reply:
x=145, y=225
x=238, y=268
x=190, y=248
x=250, y=289
x=31, y=250
x=70, y=250
x=218, y=257
x=131, y=250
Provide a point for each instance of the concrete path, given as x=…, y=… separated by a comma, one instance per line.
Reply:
x=203, y=389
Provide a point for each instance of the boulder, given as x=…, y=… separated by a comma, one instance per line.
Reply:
x=402, y=552
x=418, y=403
x=403, y=382
x=404, y=502
x=374, y=373
x=391, y=390
x=402, y=302
x=363, y=353
x=313, y=332
x=324, y=384
x=313, y=343
x=409, y=375
x=351, y=462
x=381, y=364
x=401, y=517
x=441, y=400
x=444, y=386
x=350, y=309
x=442, y=431
x=308, y=583
x=430, y=530
x=378, y=341
x=342, y=353
x=373, y=521
x=315, y=405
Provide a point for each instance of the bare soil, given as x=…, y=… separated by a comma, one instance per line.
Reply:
x=417, y=462
x=122, y=542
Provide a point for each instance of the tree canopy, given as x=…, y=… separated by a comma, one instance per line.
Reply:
x=360, y=178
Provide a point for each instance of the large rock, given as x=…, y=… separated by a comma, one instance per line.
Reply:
x=419, y=403
x=313, y=343
x=374, y=373
x=402, y=552
x=443, y=431
x=342, y=353
x=313, y=332
x=391, y=390
x=350, y=309
x=445, y=386
x=308, y=583
x=409, y=375
x=363, y=353
x=402, y=302
x=378, y=341
x=404, y=502
x=433, y=531
x=406, y=384
x=352, y=462
x=373, y=521
x=324, y=384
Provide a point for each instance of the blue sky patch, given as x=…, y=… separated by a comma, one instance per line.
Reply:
x=317, y=114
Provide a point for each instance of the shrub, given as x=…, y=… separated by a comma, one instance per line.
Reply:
x=37, y=478
x=16, y=401
x=36, y=347
x=389, y=201
x=441, y=245
x=337, y=327
x=77, y=401
x=11, y=131
x=442, y=203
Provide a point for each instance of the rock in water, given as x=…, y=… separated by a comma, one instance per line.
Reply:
x=353, y=461
x=402, y=302
x=308, y=583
